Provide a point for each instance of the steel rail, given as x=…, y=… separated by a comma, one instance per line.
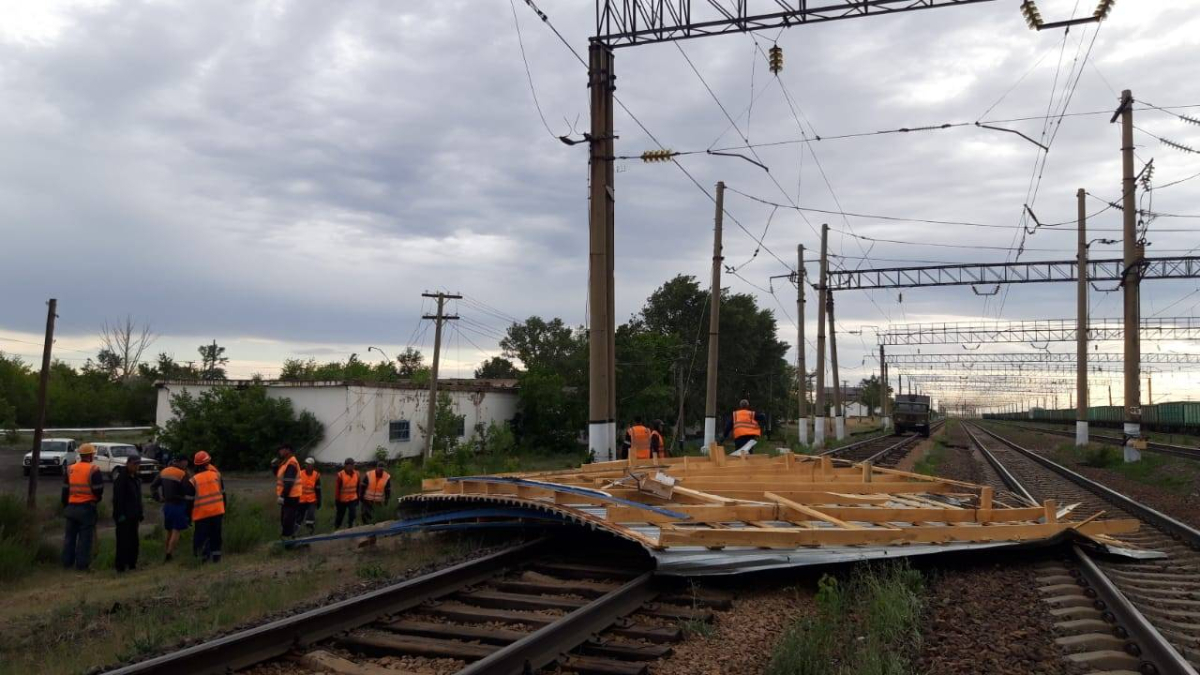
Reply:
x=915, y=438
x=1159, y=655
x=254, y=645
x=1164, y=448
x=855, y=445
x=542, y=647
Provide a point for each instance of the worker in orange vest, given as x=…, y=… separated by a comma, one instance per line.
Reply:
x=641, y=440
x=375, y=491
x=83, y=486
x=173, y=490
x=208, y=509
x=658, y=447
x=744, y=425
x=345, y=494
x=310, y=495
x=288, y=490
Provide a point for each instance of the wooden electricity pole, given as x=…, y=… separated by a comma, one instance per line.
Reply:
x=1081, y=327
x=883, y=387
x=40, y=421
x=839, y=415
x=822, y=292
x=1131, y=282
x=801, y=375
x=714, y=323
x=438, y=319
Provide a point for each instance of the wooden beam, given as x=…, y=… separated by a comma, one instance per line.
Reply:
x=913, y=515
x=813, y=514
x=783, y=485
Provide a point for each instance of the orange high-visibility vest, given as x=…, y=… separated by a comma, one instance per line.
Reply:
x=308, y=486
x=297, y=489
x=347, y=487
x=210, y=501
x=79, y=483
x=662, y=447
x=639, y=442
x=744, y=424
x=376, y=486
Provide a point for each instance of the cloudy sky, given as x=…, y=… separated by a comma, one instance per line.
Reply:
x=288, y=177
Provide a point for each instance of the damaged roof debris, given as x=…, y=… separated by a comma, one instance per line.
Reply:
x=726, y=515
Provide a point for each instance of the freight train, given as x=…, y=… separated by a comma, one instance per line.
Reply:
x=1176, y=417
x=912, y=413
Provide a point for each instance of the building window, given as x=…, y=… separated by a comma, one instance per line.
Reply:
x=399, y=431
x=462, y=426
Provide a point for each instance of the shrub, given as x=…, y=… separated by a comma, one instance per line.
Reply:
x=247, y=525
x=20, y=545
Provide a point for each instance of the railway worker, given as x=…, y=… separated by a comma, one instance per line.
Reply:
x=288, y=490
x=641, y=440
x=375, y=491
x=310, y=495
x=345, y=494
x=744, y=425
x=208, y=508
x=658, y=447
x=83, y=487
x=173, y=490
x=127, y=512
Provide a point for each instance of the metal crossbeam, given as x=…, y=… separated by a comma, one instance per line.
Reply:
x=1041, y=330
x=1044, y=271
x=972, y=358
x=626, y=23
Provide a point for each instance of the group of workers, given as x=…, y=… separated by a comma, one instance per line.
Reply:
x=646, y=442
x=197, y=497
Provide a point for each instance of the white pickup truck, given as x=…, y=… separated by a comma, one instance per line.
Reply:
x=111, y=455
x=54, y=456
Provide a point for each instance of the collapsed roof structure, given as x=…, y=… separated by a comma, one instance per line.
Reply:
x=728, y=514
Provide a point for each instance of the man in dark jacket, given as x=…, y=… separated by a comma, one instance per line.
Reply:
x=127, y=512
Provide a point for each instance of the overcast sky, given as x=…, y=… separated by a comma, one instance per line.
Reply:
x=288, y=177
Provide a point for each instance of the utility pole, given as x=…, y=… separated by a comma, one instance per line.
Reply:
x=438, y=320
x=802, y=374
x=40, y=423
x=714, y=323
x=1110, y=394
x=839, y=419
x=1081, y=327
x=1149, y=390
x=883, y=387
x=601, y=416
x=822, y=291
x=1131, y=282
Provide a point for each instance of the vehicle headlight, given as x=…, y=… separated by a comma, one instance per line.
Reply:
x=58, y=460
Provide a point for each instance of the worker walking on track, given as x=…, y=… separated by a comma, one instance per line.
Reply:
x=83, y=487
x=208, y=509
x=641, y=440
x=173, y=490
x=345, y=494
x=127, y=512
x=658, y=447
x=288, y=490
x=310, y=495
x=376, y=491
x=744, y=426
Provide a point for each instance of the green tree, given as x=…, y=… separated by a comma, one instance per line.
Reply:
x=497, y=368
x=553, y=385
x=446, y=425
x=212, y=361
x=409, y=363
x=870, y=393
x=8, y=421
x=241, y=427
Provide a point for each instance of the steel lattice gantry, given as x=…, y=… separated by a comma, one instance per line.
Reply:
x=1033, y=358
x=1187, y=267
x=1040, y=330
x=627, y=23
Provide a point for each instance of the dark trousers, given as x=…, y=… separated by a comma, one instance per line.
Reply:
x=287, y=515
x=306, y=515
x=368, y=511
x=206, y=541
x=742, y=440
x=128, y=542
x=80, y=532
x=343, y=509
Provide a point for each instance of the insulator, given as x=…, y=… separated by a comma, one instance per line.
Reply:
x=775, y=59
x=1103, y=9
x=1032, y=16
x=658, y=155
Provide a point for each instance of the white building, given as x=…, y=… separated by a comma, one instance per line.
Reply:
x=362, y=416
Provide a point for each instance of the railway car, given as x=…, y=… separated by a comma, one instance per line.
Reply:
x=1171, y=417
x=912, y=413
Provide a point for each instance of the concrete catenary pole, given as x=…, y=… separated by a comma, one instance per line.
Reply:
x=39, y=426
x=438, y=319
x=1081, y=327
x=839, y=417
x=1132, y=277
x=714, y=323
x=801, y=368
x=883, y=387
x=822, y=290
x=601, y=420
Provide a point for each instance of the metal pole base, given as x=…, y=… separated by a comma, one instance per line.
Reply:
x=1133, y=434
x=839, y=425
x=887, y=423
x=710, y=433
x=1081, y=433
x=819, y=432
x=599, y=441
x=803, y=424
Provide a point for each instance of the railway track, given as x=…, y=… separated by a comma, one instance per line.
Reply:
x=884, y=451
x=1183, y=451
x=1113, y=617
x=515, y=611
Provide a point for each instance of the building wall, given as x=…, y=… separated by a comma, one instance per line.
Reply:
x=357, y=418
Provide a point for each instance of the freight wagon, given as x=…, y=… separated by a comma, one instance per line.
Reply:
x=1174, y=417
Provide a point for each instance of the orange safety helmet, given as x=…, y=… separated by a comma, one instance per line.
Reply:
x=201, y=458
x=87, y=449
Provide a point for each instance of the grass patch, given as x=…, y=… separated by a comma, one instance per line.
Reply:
x=868, y=624
x=934, y=456
x=1153, y=469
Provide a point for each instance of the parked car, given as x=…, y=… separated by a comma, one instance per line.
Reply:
x=55, y=455
x=111, y=455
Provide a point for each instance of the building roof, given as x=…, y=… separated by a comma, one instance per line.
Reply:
x=505, y=385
